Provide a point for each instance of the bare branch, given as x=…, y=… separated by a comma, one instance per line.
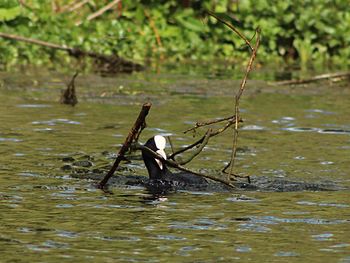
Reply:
x=335, y=75
x=99, y=12
x=237, y=100
x=126, y=145
x=233, y=29
x=209, y=122
x=198, y=150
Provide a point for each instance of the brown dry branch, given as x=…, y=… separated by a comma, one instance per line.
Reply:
x=186, y=148
x=209, y=122
x=235, y=119
x=73, y=6
x=233, y=29
x=25, y=5
x=99, y=12
x=237, y=100
x=198, y=150
x=154, y=28
x=112, y=63
x=230, y=121
x=174, y=164
x=134, y=131
x=69, y=95
x=171, y=144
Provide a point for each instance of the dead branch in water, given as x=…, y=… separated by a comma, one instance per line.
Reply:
x=237, y=100
x=69, y=95
x=336, y=75
x=112, y=63
x=231, y=120
x=133, y=133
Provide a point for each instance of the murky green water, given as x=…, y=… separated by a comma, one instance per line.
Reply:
x=46, y=216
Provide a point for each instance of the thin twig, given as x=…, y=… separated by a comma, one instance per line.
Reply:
x=237, y=100
x=99, y=12
x=73, y=6
x=186, y=148
x=154, y=28
x=212, y=134
x=126, y=145
x=209, y=122
x=233, y=29
x=198, y=150
x=171, y=144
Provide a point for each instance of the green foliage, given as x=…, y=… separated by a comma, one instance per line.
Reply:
x=309, y=31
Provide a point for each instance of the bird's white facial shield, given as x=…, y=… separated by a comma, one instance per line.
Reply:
x=160, y=142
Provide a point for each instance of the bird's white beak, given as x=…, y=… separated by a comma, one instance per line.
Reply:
x=163, y=154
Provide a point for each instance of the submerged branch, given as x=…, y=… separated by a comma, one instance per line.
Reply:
x=69, y=95
x=314, y=79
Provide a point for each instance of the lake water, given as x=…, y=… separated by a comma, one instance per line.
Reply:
x=300, y=132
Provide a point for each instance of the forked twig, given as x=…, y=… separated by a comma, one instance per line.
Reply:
x=209, y=122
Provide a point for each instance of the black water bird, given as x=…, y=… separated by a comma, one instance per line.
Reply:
x=160, y=177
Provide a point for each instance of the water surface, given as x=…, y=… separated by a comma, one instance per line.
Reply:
x=300, y=132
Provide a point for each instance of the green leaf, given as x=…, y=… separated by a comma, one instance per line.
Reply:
x=7, y=14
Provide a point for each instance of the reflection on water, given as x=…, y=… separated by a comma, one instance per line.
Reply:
x=48, y=216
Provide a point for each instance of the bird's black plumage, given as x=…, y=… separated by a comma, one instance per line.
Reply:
x=160, y=177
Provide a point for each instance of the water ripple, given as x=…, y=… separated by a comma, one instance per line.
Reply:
x=55, y=121
x=319, y=130
x=10, y=140
x=323, y=237
x=33, y=106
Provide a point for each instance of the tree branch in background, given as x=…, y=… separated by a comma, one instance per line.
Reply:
x=155, y=30
x=99, y=12
x=25, y=5
x=112, y=63
x=133, y=133
x=73, y=6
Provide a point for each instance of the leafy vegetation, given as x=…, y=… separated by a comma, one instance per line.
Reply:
x=307, y=31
